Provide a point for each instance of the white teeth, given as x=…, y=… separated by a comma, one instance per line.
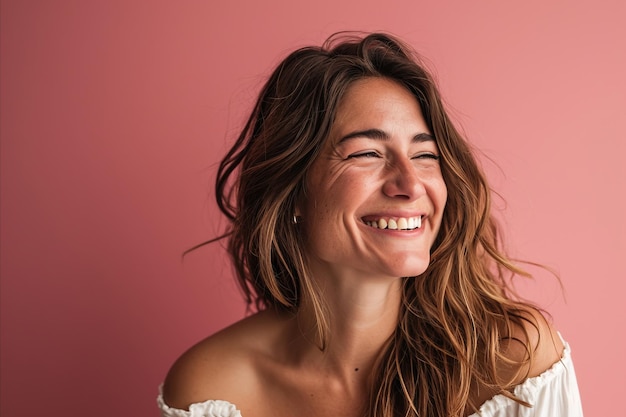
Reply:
x=401, y=223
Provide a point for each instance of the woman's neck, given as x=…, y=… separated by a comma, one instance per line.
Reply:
x=362, y=314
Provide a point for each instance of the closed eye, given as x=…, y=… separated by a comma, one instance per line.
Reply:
x=427, y=156
x=368, y=154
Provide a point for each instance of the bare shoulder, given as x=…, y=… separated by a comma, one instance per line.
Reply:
x=220, y=367
x=537, y=339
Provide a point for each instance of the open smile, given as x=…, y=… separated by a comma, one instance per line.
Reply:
x=400, y=223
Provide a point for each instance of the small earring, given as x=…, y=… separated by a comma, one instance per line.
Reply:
x=296, y=219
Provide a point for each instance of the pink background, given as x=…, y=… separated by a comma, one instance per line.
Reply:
x=114, y=114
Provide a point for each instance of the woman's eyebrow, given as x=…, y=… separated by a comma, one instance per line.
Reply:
x=423, y=137
x=378, y=134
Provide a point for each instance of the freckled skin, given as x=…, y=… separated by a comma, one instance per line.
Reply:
x=388, y=173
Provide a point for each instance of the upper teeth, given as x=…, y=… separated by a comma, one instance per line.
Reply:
x=400, y=223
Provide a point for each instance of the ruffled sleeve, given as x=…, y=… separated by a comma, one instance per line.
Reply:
x=210, y=408
x=553, y=393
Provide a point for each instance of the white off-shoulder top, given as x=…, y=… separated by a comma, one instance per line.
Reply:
x=553, y=393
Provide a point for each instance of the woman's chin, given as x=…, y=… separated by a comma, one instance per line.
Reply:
x=410, y=268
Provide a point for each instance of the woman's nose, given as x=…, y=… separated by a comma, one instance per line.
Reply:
x=403, y=181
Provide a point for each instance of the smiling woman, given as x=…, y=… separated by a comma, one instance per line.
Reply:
x=360, y=229
x=379, y=166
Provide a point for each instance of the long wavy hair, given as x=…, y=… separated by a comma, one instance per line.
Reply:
x=454, y=317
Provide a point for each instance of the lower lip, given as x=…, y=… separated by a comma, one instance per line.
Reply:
x=396, y=232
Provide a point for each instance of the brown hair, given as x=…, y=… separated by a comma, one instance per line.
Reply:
x=455, y=315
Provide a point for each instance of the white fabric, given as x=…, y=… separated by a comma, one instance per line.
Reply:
x=210, y=408
x=553, y=393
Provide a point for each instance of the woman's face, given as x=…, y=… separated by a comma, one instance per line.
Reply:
x=375, y=195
